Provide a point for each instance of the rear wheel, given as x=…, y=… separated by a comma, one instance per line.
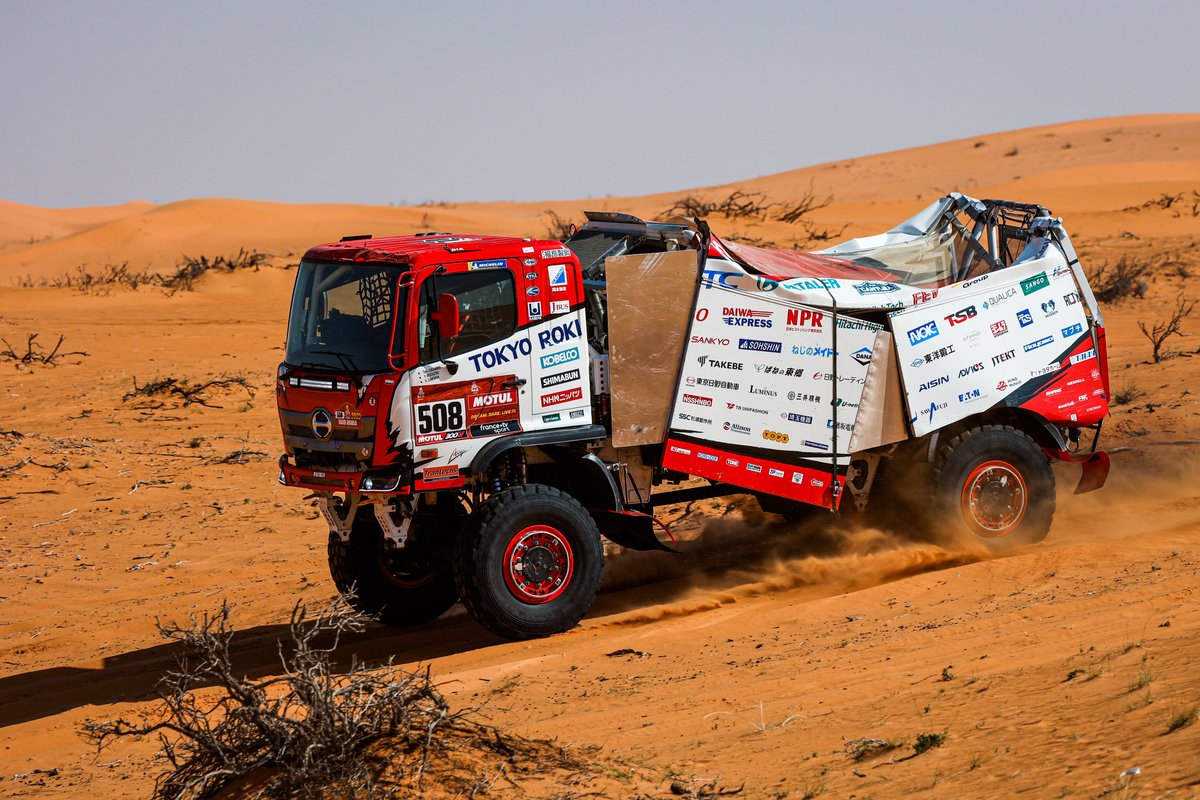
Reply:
x=996, y=484
x=529, y=562
x=400, y=586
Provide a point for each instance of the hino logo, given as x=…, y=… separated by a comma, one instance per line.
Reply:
x=322, y=424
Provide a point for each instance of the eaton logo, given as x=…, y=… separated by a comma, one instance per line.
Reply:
x=1025, y=318
x=1072, y=330
x=923, y=333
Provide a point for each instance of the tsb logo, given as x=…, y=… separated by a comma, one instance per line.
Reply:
x=961, y=316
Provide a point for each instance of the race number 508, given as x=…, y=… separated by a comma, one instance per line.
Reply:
x=447, y=415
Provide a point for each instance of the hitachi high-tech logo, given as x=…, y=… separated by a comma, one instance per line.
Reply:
x=698, y=400
x=561, y=357
x=746, y=317
x=759, y=346
x=923, y=333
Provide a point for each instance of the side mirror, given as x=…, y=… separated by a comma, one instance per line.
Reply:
x=447, y=316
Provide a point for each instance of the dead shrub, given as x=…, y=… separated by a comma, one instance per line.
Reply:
x=312, y=731
x=35, y=353
x=1126, y=278
x=189, y=393
x=558, y=228
x=1162, y=330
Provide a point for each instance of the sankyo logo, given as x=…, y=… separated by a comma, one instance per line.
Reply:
x=1031, y=285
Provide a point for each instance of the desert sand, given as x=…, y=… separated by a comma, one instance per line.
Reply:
x=751, y=660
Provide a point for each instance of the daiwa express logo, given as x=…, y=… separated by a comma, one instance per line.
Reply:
x=746, y=317
x=923, y=333
x=561, y=357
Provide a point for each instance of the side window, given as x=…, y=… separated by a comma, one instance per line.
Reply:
x=487, y=310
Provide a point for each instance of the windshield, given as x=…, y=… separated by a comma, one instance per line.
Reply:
x=342, y=317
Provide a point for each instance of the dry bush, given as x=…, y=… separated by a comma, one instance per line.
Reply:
x=796, y=211
x=189, y=393
x=1126, y=278
x=187, y=272
x=736, y=205
x=35, y=353
x=1162, y=330
x=310, y=732
x=558, y=228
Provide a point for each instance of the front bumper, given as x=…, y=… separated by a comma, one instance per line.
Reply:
x=372, y=481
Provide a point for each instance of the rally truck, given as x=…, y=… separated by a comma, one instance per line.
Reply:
x=475, y=415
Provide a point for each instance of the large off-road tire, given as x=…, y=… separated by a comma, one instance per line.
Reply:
x=996, y=484
x=529, y=562
x=399, y=587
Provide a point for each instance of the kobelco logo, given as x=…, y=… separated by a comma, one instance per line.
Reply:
x=322, y=424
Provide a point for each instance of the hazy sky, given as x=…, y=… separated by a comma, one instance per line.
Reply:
x=378, y=102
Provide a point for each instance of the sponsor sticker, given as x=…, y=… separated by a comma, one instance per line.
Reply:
x=1036, y=283
x=923, y=333
x=1045, y=340
x=862, y=355
x=1072, y=330
x=875, y=287
x=559, y=277
x=551, y=417
x=560, y=377
x=1025, y=318
x=698, y=400
x=494, y=263
x=560, y=252
x=1084, y=356
x=562, y=357
x=565, y=396
x=431, y=474
x=999, y=328
x=560, y=306
x=775, y=473
x=535, y=310
x=759, y=346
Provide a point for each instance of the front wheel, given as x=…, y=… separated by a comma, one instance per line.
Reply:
x=995, y=483
x=529, y=562
x=401, y=587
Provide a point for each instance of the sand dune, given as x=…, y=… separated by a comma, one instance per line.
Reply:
x=767, y=646
x=1078, y=169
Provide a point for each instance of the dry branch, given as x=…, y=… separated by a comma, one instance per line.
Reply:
x=1162, y=330
x=35, y=353
x=310, y=732
x=190, y=393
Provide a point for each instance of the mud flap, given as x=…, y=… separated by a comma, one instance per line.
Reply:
x=632, y=529
x=1095, y=468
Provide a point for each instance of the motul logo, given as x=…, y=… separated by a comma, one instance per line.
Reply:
x=495, y=399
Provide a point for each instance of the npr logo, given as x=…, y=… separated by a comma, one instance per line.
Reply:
x=805, y=318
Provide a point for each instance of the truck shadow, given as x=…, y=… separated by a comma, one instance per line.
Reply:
x=724, y=550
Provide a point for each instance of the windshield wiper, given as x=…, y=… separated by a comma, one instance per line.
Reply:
x=346, y=360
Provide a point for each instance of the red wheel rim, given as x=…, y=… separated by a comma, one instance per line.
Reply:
x=994, y=499
x=538, y=563
x=390, y=568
